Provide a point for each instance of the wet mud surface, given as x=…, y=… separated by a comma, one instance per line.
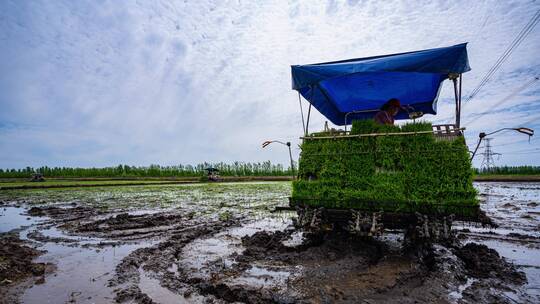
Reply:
x=16, y=266
x=86, y=250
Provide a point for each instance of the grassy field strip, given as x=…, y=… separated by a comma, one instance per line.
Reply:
x=14, y=185
x=65, y=183
x=507, y=178
x=33, y=185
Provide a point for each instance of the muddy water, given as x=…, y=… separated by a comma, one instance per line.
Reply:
x=12, y=218
x=199, y=255
x=80, y=273
x=515, y=207
x=85, y=262
x=254, y=258
x=152, y=287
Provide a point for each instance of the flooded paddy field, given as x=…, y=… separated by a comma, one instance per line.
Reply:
x=220, y=243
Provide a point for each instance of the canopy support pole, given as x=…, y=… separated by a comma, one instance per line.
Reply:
x=306, y=130
x=460, y=82
x=307, y=124
x=457, y=96
x=302, y=112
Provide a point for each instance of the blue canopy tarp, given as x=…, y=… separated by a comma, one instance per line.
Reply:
x=365, y=84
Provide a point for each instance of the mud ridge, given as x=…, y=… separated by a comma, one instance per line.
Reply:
x=40, y=237
x=65, y=214
x=483, y=262
x=16, y=265
x=125, y=221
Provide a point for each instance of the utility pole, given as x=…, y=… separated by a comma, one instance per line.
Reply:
x=488, y=163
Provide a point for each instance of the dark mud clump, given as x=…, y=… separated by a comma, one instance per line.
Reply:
x=38, y=211
x=494, y=276
x=232, y=294
x=132, y=294
x=125, y=221
x=339, y=268
x=16, y=265
x=264, y=239
x=16, y=260
x=64, y=214
x=484, y=262
x=263, y=244
x=336, y=267
x=520, y=236
x=40, y=237
x=324, y=246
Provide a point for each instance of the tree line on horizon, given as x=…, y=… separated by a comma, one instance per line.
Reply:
x=509, y=170
x=226, y=169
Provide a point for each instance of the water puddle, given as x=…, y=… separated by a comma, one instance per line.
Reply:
x=515, y=207
x=457, y=295
x=155, y=291
x=81, y=274
x=14, y=218
x=296, y=239
x=260, y=277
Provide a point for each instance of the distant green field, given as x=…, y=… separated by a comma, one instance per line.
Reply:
x=80, y=183
x=507, y=177
x=205, y=199
x=18, y=183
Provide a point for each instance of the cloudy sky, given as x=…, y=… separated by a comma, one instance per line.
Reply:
x=98, y=83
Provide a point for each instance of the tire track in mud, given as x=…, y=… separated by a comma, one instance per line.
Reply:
x=327, y=268
x=321, y=268
x=162, y=262
x=91, y=228
x=157, y=259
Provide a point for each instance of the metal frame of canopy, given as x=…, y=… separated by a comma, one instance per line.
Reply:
x=457, y=80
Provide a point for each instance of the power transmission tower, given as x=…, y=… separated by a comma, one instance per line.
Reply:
x=487, y=162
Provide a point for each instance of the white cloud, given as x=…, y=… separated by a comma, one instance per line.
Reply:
x=182, y=82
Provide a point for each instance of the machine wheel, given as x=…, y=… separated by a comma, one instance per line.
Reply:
x=429, y=230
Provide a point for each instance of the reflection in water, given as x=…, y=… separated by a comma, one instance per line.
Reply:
x=14, y=218
x=84, y=272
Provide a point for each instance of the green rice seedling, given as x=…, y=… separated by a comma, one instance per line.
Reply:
x=404, y=173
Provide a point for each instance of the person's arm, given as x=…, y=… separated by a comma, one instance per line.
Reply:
x=378, y=118
x=383, y=118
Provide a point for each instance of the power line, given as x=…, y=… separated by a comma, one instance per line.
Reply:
x=536, y=118
x=512, y=142
x=503, y=100
x=515, y=43
x=523, y=151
